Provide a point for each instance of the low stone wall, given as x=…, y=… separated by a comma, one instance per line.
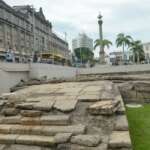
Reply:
x=135, y=92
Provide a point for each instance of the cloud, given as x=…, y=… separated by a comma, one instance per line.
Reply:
x=128, y=16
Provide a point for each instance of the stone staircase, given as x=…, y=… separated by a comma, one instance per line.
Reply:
x=90, y=117
x=32, y=127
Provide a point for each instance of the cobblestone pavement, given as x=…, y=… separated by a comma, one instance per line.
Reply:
x=64, y=116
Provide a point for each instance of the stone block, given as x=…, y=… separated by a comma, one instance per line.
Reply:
x=62, y=137
x=10, y=111
x=5, y=128
x=74, y=129
x=22, y=147
x=31, y=113
x=35, y=140
x=55, y=120
x=120, y=139
x=8, y=138
x=26, y=106
x=30, y=121
x=20, y=129
x=65, y=105
x=2, y=146
x=89, y=97
x=11, y=120
x=104, y=107
x=121, y=123
x=45, y=105
x=86, y=140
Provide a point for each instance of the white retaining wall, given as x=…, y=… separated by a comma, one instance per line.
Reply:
x=102, y=69
x=51, y=71
x=11, y=74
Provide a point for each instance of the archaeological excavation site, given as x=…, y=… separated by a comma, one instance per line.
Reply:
x=87, y=113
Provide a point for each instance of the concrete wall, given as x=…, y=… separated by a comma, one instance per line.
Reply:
x=11, y=74
x=51, y=71
x=102, y=69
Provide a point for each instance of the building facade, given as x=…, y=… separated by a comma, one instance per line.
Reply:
x=146, y=47
x=116, y=57
x=25, y=31
x=82, y=41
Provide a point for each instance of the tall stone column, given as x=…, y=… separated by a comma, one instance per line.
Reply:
x=101, y=53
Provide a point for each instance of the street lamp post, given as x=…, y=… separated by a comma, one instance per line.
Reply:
x=102, y=53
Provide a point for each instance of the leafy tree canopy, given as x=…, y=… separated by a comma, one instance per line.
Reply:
x=84, y=54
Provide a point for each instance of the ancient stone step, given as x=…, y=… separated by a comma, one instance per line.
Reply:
x=121, y=123
x=89, y=97
x=30, y=113
x=41, y=130
x=27, y=139
x=119, y=139
x=43, y=120
x=104, y=107
x=10, y=112
x=55, y=120
x=65, y=105
x=86, y=140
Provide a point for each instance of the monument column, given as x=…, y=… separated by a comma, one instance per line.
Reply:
x=101, y=53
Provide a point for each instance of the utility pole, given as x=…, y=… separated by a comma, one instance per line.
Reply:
x=101, y=53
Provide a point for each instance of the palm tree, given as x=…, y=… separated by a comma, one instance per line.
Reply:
x=104, y=43
x=137, y=49
x=123, y=40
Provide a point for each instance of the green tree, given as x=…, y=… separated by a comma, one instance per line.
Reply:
x=123, y=40
x=137, y=49
x=84, y=54
x=104, y=43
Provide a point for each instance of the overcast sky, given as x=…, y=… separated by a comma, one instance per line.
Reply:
x=74, y=16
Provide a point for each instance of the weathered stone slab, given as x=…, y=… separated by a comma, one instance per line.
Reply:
x=45, y=105
x=10, y=112
x=104, y=107
x=20, y=129
x=86, y=140
x=10, y=120
x=5, y=128
x=89, y=97
x=55, y=120
x=30, y=121
x=8, y=138
x=74, y=129
x=120, y=139
x=35, y=140
x=22, y=147
x=62, y=137
x=121, y=123
x=2, y=146
x=65, y=105
x=30, y=113
x=26, y=106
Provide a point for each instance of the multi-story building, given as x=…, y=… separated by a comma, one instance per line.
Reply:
x=82, y=41
x=146, y=47
x=119, y=58
x=25, y=31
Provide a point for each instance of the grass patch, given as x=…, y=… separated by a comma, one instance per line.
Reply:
x=139, y=125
